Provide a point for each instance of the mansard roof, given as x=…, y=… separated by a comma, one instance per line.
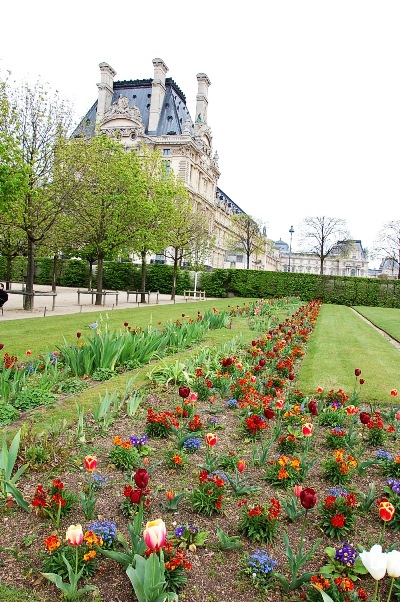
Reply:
x=174, y=112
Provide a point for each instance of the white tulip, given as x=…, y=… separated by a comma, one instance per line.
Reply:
x=375, y=561
x=393, y=563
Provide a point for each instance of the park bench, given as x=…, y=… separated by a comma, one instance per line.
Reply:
x=199, y=295
x=35, y=294
x=93, y=294
x=139, y=294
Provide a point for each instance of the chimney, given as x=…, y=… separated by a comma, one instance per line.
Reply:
x=157, y=93
x=105, y=90
x=202, y=100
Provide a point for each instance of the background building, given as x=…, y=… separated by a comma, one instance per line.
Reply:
x=154, y=112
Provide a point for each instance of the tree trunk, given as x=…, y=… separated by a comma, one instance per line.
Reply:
x=174, y=275
x=30, y=276
x=54, y=274
x=99, y=296
x=90, y=283
x=248, y=261
x=321, y=265
x=8, y=271
x=143, y=294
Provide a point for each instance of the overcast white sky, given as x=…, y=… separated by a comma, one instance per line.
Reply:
x=304, y=103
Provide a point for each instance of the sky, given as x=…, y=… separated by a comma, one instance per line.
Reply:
x=304, y=102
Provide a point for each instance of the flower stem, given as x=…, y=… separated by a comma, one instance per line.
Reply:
x=382, y=533
x=376, y=590
x=390, y=590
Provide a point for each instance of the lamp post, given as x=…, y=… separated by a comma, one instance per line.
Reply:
x=290, y=244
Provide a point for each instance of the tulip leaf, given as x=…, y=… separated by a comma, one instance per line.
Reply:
x=324, y=595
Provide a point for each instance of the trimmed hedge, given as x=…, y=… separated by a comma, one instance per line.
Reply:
x=340, y=290
x=117, y=275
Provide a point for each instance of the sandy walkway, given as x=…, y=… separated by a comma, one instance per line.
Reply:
x=66, y=302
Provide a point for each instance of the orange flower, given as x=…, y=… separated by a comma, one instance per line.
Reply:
x=89, y=556
x=282, y=474
x=117, y=440
x=170, y=495
x=52, y=543
x=177, y=459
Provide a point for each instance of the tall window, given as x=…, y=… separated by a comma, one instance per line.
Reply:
x=166, y=152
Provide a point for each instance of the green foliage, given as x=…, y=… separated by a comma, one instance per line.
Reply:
x=228, y=542
x=121, y=276
x=7, y=413
x=8, y=475
x=260, y=523
x=30, y=398
x=207, y=498
x=125, y=458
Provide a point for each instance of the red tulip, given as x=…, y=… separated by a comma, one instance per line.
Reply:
x=307, y=429
x=262, y=363
x=279, y=404
x=126, y=324
x=386, y=510
x=357, y=372
x=170, y=495
x=313, y=408
x=393, y=392
x=365, y=417
x=184, y=392
x=308, y=498
x=28, y=352
x=320, y=390
x=90, y=463
x=351, y=410
x=291, y=376
x=1, y=346
x=211, y=439
x=141, y=478
x=135, y=496
x=241, y=466
x=361, y=381
x=78, y=335
x=269, y=413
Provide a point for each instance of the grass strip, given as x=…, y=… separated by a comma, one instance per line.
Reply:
x=341, y=342
x=386, y=318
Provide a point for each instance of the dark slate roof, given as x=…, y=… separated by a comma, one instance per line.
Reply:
x=174, y=112
x=223, y=199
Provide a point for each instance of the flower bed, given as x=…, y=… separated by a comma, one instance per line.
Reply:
x=229, y=516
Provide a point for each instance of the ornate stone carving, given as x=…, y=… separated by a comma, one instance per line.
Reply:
x=122, y=110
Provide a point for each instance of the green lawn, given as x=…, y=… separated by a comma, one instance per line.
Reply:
x=342, y=341
x=386, y=318
x=41, y=335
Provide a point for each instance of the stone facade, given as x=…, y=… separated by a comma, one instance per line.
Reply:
x=352, y=263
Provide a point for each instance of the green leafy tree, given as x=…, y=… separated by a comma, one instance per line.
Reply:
x=246, y=236
x=188, y=229
x=322, y=234
x=387, y=244
x=36, y=121
x=105, y=198
x=12, y=244
x=160, y=191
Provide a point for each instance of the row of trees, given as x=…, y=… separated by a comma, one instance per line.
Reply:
x=86, y=197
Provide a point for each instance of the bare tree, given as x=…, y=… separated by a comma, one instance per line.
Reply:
x=387, y=244
x=246, y=236
x=325, y=236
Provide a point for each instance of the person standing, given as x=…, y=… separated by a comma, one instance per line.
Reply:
x=3, y=295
